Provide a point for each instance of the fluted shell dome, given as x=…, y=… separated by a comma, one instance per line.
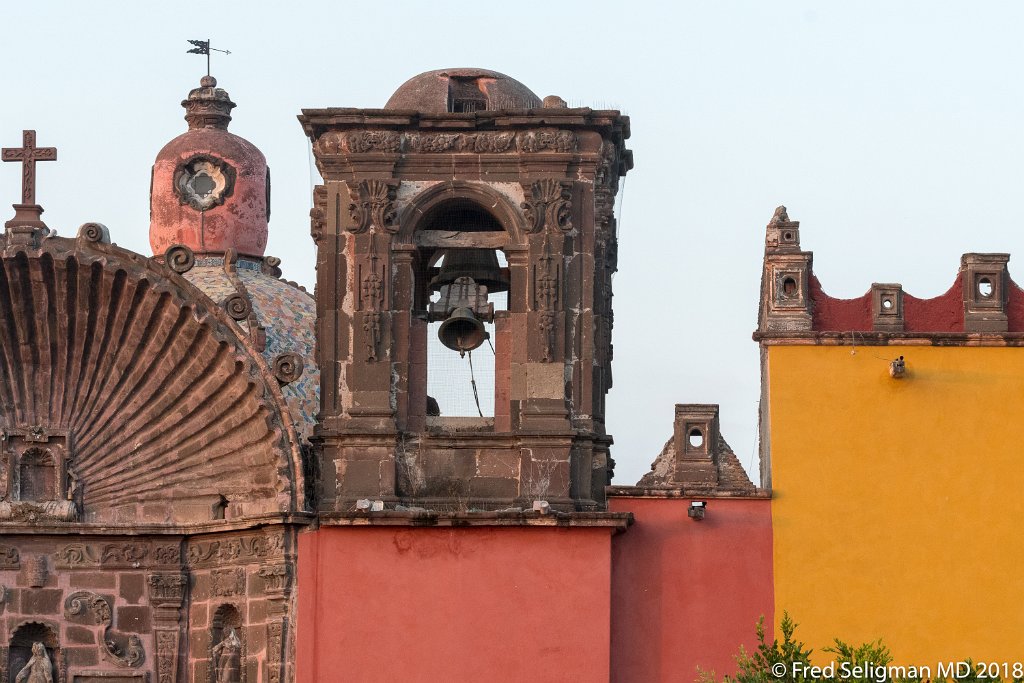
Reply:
x=462, y=90
x=279, y=315
x=210, y=188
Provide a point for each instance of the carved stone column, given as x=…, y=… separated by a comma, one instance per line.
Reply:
x=166, y=592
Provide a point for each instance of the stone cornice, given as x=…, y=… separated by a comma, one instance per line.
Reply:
x=316, y=121
x=616, y=521
x=687, y=493
x=888, y=339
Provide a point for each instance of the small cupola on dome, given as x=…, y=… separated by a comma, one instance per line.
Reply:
x=462, y=91
x=210, y=188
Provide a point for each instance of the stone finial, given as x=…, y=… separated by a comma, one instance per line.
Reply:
x=985, y=292
x=887, y=307
x=785, y=284
x=697, y=457
x=695, y=435
x=208, y=106
x=554, y=102
x=782, y=234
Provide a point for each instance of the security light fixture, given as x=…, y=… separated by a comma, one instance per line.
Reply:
x=697, y=510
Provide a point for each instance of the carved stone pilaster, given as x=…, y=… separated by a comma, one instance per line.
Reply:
x=547, y=297
x=275, y=650
x=166, y=594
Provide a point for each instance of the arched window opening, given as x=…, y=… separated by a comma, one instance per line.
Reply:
x=462, y=279
x=37, y=475
x=462, y=384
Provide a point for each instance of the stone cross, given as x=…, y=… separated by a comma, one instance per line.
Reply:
x=28, y=154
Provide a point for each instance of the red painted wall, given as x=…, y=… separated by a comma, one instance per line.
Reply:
x=686, y=593
x=453, y=604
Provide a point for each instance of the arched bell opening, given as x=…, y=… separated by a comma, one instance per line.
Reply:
x=462, y=341
x=462, y=283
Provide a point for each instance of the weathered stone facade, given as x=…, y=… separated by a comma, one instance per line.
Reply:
x=152, y=457
x=155, y=412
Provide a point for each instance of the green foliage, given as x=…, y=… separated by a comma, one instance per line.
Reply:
x=860, y=658
x=788, y=661
x=757, y=667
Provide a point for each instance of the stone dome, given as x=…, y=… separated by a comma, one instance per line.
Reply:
x=462, y=90
x=210, y=188
x=286, y=313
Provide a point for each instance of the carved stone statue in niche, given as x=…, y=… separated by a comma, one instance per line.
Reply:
x=227, y=659
x=34, y=647
x=38, y=669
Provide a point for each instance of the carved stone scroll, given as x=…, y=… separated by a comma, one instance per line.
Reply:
x=288, y=367
x=97, y=233
x=96, y=610
x=87, y=604
x=235, y=549
x=238, y=306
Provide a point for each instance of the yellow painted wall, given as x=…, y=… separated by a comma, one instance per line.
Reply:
x=899, y=504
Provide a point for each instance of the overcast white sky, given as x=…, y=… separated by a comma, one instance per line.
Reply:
x=894, y=131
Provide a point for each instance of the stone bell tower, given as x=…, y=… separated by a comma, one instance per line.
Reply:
x=461, y=166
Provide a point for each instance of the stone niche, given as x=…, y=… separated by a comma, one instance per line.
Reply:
x=37, y=481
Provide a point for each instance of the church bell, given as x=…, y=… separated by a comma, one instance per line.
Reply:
x=479, y=264
x=462, y=331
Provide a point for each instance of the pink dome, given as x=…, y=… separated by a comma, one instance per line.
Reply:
x=462, y=90
x=210, y=188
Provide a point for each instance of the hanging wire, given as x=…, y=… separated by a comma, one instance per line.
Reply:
x=472, y=381
x=622, y=202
